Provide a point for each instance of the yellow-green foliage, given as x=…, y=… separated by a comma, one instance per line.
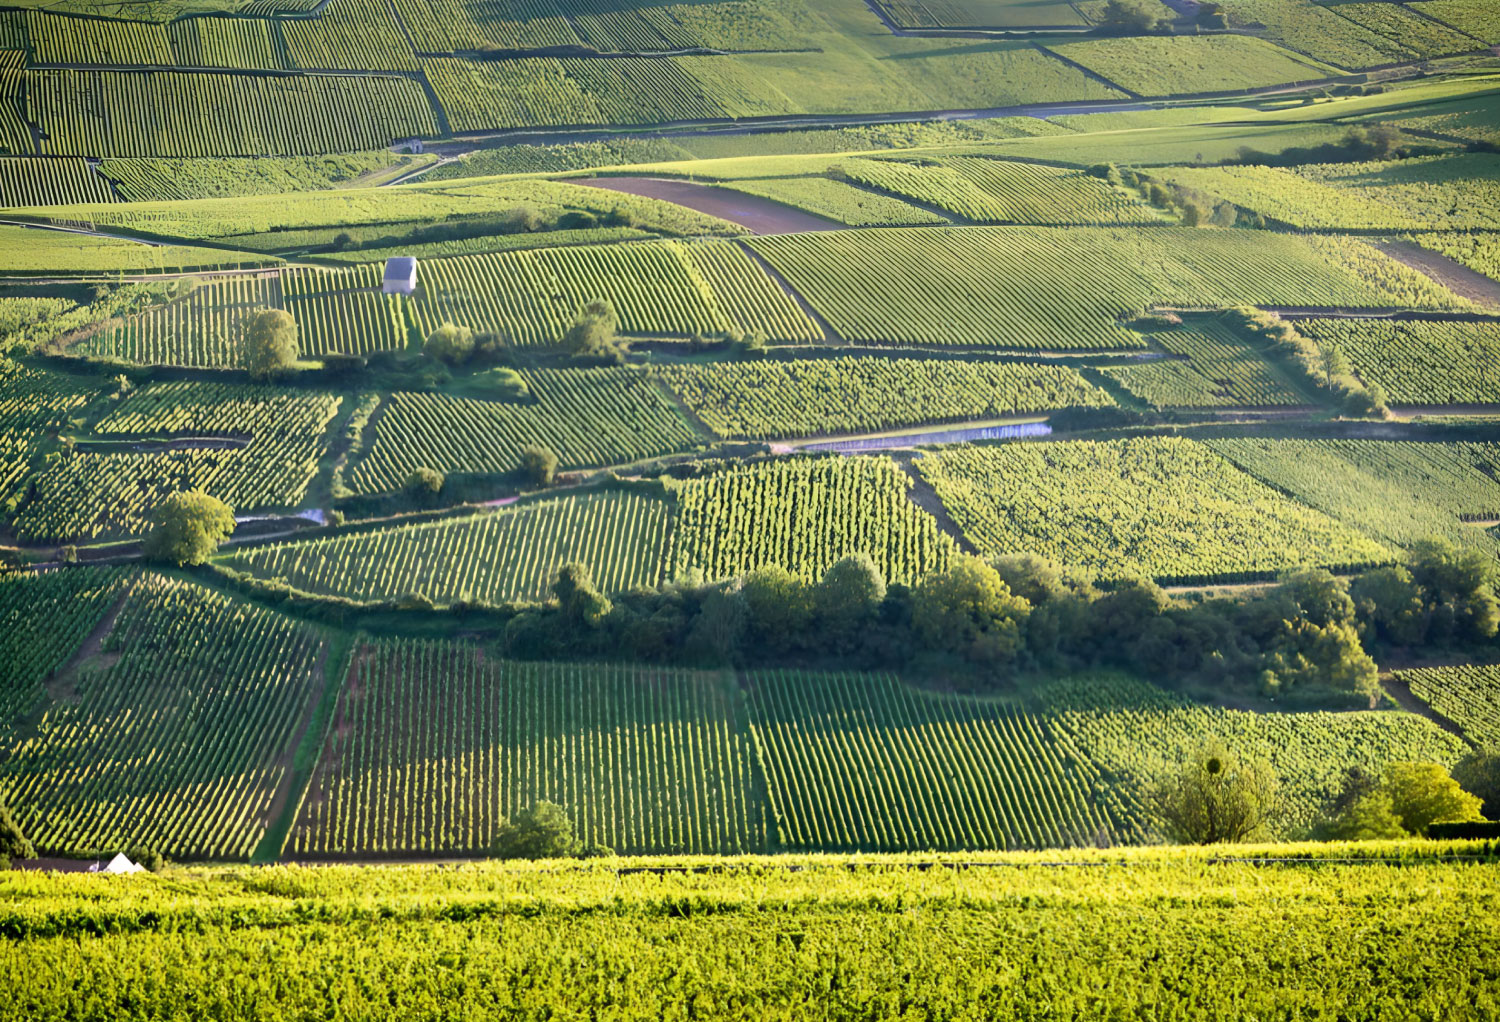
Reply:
x=1159, y=507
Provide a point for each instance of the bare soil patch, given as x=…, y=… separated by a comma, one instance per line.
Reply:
x=760, y=216
x=1453, y=275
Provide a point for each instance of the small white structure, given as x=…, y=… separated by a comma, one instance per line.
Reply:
x=400, y=275
x=119, y=864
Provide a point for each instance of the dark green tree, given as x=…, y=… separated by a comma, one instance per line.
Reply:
x=594, y=334
x=778, y=605
x=13, y=843
x=423, y=482
x=450, y=344
x=579, y=599
x=539, y=463
x=542, y=832
x=1133, y=17
x=849, y=593
x=1478, y=773
x=268, y=343
x=188, y=527
x=969, y=609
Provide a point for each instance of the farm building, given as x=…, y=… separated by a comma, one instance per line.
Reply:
x=400, y=275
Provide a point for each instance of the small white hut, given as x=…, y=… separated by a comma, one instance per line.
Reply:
x=400, y=275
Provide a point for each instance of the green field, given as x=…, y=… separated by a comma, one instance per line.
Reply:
x=1469, y=696
x=763, y=400
x=1163, y=508
x=1419, y=362
x=490, y=557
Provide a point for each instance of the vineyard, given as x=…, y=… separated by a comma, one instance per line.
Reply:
x=804, y=515
x=1419, y=362
x=589, y=417
x=200, y=331
x=863, y=762
x=1212, y=367
x=1479, y=252
x=489, y=558
x=813, y=397
x=1175, y=65
x=31, y=182
x=998, y=191
x=1396, y=492
x=435, y=744
x=1163, y=508
x=93, y=492
x=657, y=288
x=1469, y=696
x=131, y=750
x=1020, y=287
x=159, y=113
x=43, y=620
x=838, y=201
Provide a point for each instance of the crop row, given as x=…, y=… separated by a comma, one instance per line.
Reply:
x=43, y=619
x=160, y=113
x=491, y=558
x=34, y=182
x=1419, y=362
x=803, y=516
x=1468, y=695
x=91, y=493
x=177, y=738
x=660, y=288
x=591, y=417
x=201, y=330
x=435, y=745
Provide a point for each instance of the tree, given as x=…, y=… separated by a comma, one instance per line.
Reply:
x=849, y=593
x=1212, y=16
x=1457, y=585
x=1370, y=817
x=1335, y=363
x=539, y=463
x=268, y=343
x=594, y=333
x=779, y=605
x=509, y=383
x=188, y=527
x=1133, y=17
x=969, y=609
x=579, y=599
x=1217, y=797
x=1388, y=602
x=1423, y=794
x=450, y=344
x=423, y=482
x=13, y=843
x=542, y=832
x=1478, y=773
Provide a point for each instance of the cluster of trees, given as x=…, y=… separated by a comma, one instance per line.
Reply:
x=1193, y=207
x=1302, y=640
x=1326, y=368
x=595, y=336
x=516, y=220
x=1134, y=17
x=1359, y=143
x=1216, y=796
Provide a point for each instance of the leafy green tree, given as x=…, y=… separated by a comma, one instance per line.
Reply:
x=1034, y=579
x=1370, y=817
x=594, y=334
x=1423, y=794
x=268, y=343
x=849, y=593
x=1388, y=601
x=449, y=343
x=188, y=527
x=970, y=610
x=1133, y=17
x=13, y=843
x=779, y=605
x=1216, y=797
x=1212, y=16
x=542, y=832
x=539, y=463
x=423, y=482
x=579, y=599
x=507, y=382
x=1457, y=585
x=1478, y=773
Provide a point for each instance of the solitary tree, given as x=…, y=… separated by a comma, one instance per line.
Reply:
x=578, y=597
x=1217, y=797
x=188, y=527
x=423, y=482
x=268, y=342
x=542, y=832
x=1133, y=17
x=450, y=344
x=539, y=463
x=13, y=843
x=594, y=333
